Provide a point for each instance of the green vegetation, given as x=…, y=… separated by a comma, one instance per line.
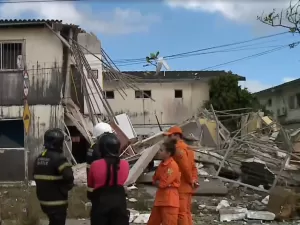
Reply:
x=225, y=94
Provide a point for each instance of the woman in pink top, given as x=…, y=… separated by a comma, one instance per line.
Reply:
x=106, y=184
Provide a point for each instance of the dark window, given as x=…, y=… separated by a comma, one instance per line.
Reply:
x=292, y=102
x=11, y=134
x=95, y=74
x=142, y=94
x=178, y=93
x=109, y=94
x=9, y=54
x=269, y=102
x=298, y=100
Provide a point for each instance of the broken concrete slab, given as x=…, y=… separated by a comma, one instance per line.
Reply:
x=142, y=163
x=142, y=218
x=232, y=214
x=260, y=215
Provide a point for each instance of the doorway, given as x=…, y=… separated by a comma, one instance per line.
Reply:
x=12, y=154
x=79, y=145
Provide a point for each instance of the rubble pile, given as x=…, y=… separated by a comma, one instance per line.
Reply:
x=260, y=156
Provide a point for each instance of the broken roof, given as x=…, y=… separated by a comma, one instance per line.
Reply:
x=192, y=75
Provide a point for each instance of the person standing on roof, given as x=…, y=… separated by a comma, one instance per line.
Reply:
x=184, y=157
x=92, y=153
x=54, y=178
x=106, y=180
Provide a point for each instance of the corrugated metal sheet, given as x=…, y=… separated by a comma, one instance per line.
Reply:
x=43, y=117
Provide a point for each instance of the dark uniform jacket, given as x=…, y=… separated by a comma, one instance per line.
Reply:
x=92, y=155
x=54, y=178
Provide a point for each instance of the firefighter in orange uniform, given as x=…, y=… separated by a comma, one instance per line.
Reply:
x=167, y=179
x=184, y=157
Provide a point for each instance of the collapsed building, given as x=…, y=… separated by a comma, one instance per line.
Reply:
x=64, y=89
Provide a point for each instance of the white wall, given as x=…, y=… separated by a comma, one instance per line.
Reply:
x=41, y=45
x=95, y=64
x=169, y=110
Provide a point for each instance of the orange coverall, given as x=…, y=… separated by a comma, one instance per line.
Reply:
x=185, y=160
x=166, y=204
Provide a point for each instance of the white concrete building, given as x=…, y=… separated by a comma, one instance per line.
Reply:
x=176, y=96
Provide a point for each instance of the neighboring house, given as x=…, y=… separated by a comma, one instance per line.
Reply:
x=38, y=48
x=176, y=96
x=284, y=102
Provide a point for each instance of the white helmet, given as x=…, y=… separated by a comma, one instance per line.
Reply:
x=101, y=128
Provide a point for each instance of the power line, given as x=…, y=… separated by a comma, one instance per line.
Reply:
x=243, y=58
x=251, y=56
x=206, y=53
x=209, y=48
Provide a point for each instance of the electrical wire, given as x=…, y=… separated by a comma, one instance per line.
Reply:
x=249, y=57
x=209, y=48
x=205, y=53
x=245, y=58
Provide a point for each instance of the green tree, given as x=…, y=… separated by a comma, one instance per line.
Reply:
x=287, y=18
x=225, y=93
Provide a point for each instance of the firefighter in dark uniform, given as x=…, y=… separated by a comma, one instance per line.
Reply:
x=54, y=178
x=93, y=153
x=106, y=181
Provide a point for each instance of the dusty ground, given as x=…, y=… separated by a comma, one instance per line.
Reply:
x=13, y=202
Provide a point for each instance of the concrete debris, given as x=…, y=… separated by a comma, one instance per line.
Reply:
x=79, y=172
x=222, y=204
x=132, y=200
x=133, y=215
x=232, y=214
x=266, y=200
x=260, y=215
x=260, y=155
x=142, y=218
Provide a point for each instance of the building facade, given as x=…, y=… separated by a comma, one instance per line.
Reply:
x=31, y=48
x=169, y=98
x=283, y=101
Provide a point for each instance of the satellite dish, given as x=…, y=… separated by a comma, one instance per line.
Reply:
x=160, y=63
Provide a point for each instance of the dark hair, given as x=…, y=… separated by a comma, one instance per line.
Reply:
x=179, y=134
x=170, y=146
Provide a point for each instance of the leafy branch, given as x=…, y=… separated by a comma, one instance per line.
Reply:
x=152, y=59
x=288, y=18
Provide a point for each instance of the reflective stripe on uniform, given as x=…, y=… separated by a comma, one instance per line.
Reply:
x=47, y=177
x=54, y=203
x=63, y=166
x=90, y=189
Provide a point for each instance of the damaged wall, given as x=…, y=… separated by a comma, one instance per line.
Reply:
x=169, y=110
x=45, y=86
x=43, y=53
x=43, y=117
